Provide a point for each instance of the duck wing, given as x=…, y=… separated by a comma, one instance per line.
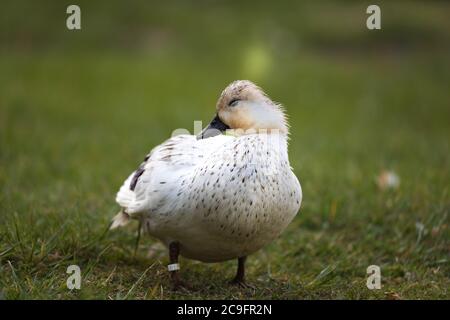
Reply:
x=147, y=187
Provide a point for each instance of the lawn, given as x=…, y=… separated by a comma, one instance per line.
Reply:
x=80, y=109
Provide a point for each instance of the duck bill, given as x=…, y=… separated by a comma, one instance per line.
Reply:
x=214, y=128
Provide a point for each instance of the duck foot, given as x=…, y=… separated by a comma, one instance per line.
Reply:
x=239, y=280
x=241, y=283
x=179, y=285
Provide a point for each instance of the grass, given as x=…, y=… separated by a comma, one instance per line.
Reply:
x=75, y=120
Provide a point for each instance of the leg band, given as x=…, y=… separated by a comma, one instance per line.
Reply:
x=173, y=267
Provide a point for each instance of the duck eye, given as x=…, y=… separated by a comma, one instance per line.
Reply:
x=233, y=103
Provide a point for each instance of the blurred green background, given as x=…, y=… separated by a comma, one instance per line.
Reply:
x=80, y=109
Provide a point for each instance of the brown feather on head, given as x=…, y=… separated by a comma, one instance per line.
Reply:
x=244, y=105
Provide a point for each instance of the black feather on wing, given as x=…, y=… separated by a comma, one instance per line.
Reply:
x=138, y=173
x=136, y=177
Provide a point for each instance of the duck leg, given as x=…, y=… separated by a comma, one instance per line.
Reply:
x=174, y=267
x=239, y=279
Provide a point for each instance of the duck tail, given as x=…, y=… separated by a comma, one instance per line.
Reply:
x=121, y=219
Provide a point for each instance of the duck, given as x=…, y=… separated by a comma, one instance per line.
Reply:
x=222, y=194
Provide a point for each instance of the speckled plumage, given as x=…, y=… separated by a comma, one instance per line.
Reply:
x=222, y=197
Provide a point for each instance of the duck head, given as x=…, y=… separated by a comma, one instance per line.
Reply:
x=245, y=108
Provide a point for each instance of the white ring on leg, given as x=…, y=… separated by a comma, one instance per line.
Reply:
x=173, y=267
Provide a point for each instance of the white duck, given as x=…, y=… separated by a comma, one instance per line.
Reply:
x=216, y=197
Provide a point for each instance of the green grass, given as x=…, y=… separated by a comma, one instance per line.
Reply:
x=75, y=120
